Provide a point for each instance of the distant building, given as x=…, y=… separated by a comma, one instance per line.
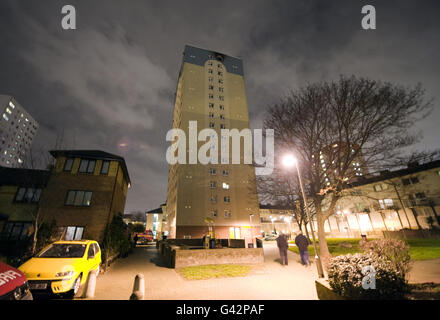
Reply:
x=17, y=130
x=82, y=194
x=277, y=219
x=211, y=91
x=156, y=219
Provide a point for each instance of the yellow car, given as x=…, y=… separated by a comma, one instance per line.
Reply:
x=62, y=267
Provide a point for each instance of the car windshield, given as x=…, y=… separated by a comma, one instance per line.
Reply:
x=63, y=250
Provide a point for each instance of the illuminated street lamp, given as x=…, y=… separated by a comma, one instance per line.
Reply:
x=290, y=161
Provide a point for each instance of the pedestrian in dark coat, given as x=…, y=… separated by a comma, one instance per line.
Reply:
x=303, y=243
x=282, y=246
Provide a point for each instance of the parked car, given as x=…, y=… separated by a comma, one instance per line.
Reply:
x=62, y=267
x=13, y=284
x=270, y=237
x=144, y=238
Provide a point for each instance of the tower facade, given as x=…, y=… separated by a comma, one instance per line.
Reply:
x=17, y=130
x=211, y=91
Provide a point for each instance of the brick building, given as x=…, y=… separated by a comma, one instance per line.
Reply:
x=82, y=193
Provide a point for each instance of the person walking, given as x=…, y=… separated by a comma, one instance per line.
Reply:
x=282, y=246
x=303, y=243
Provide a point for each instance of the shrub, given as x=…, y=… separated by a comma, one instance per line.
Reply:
x=394, y=250
x=116, y=241
x=346, y=277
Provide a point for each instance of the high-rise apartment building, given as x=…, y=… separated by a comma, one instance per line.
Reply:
x=17, y=130
x=211, y=91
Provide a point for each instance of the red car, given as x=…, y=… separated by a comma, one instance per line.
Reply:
x=13, y=284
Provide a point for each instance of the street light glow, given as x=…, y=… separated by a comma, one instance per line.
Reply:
x=289, y=160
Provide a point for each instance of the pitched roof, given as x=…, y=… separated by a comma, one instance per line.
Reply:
x=93, y=154
x=158, y=210
x=23, y=177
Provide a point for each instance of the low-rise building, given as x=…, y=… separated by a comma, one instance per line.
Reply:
x=155, y=220
x=407, y=198
x=82, y=193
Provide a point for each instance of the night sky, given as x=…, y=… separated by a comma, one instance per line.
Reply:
x=110, y=83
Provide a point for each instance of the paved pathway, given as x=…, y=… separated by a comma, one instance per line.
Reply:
x=425, y=271
x=266, y=282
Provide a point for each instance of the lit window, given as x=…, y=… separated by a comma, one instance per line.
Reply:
x=225, y=186
x=11, y=104
x=8, y=111
x=5, y=117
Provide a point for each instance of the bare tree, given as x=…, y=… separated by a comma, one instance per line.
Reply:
x=330, y=126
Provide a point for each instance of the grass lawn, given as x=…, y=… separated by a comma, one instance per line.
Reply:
x=214, y=271
x=420, y=249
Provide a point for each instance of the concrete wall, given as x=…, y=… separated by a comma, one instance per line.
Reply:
x=185, y=258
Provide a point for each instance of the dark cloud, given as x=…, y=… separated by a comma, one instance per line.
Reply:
x=110, y=83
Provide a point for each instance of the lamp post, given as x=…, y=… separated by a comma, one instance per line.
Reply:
x=290, y=161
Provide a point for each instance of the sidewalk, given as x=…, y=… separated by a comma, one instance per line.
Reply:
x=425, y=271
x=269, y=281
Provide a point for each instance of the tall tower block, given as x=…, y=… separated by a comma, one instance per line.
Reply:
x=211, y=91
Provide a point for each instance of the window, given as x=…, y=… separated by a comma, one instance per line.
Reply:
x=408, y=181
x=16, y=230
x=222, y=107
x=380, y=187
x=211, y=125
x=68, y=164
x=225, y=186
x=213, y=171
x=211, y=105
x=87, y=166
x=211, y=115
x=28, y=195
x=5, y=117
x=209, y=70
x=220, y=81
x=414, y=180
x=78, y=198
x=105, y=166
x=221, y=98
x=220, y=73
x=74, y=233
x=213, y=184
x=220, y=89
x=225, y=172
x=213, y=199
x=222, y=126
x=210, y=79
x=420, y=195
x=227, y=214
x=211, y=87
x=227, y=199
x=214, y=213
x=385, y=203
x=211, y=96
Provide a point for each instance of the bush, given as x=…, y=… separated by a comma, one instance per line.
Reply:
x=346, y=277
x=395, y=251
x=116, y=241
